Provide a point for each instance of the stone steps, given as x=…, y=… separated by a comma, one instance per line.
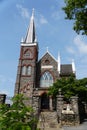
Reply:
x=48, y=121
x=54, y=129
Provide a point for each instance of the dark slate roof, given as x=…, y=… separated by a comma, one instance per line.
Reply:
x=66, y=69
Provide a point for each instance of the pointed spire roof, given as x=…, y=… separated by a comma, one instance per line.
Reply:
x=31, y=36
x=73, y=66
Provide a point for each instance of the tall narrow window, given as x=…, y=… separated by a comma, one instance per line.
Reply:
x=46, y=80
x=29, y=70
x=24, y=70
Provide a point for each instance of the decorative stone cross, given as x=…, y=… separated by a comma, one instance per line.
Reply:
x=68, y=107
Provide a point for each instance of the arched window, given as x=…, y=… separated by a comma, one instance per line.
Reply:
x=24, y=70
x=46, y=80
x=28, y=54
x=29, y=70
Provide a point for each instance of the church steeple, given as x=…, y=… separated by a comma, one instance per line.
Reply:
x=31, y=36
x=26, y=74
x=73, y=66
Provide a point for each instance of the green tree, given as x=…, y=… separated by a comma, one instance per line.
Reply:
x=16, y=117
x=77, y=10
x=70, y=87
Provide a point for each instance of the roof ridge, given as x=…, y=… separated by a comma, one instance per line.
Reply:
x=50, y=55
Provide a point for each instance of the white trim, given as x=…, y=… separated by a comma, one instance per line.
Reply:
x=73, y=66
x=33, y=13
x=47, y=67
x=28, y=44
x=50, y=55
x=22, y=40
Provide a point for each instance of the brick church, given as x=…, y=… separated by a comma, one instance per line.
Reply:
x=34, y=76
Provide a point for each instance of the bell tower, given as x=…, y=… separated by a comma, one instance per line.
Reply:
x=26, y=73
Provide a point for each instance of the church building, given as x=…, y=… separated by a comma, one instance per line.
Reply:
x=34, y=77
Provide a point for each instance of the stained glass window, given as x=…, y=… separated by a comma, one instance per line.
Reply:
x=24, y=70
x=29, y=70
x=46, y=79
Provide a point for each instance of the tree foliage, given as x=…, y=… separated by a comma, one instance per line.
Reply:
x=70, y=87
x=16, y=117
x=77, y=10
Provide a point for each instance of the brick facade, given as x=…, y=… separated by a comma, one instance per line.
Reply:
x=30, y=85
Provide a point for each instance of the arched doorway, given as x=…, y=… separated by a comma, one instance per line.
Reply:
x=44, y=101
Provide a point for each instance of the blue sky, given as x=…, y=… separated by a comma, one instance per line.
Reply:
x=53, y=31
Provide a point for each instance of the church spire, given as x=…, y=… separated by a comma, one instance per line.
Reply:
x=31, y=36
x=73, y=66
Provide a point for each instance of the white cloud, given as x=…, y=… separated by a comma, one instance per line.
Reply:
x=4, y=92
x=23, y=11
x=56, y=15
x=80, y=44
x=40, y=20
x=78, y=47
x=84, y=60
x=43, y=20
x=6, y=85
x=4, y=79
x=70, y=49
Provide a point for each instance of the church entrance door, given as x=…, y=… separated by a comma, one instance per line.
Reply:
x=44, y=101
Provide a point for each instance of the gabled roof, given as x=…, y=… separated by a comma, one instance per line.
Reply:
x=66, y=69
x=48, y=53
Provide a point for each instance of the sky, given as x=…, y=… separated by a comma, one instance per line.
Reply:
x=52, y=31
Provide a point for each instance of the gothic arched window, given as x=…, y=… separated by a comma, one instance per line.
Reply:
x=24, y=70
x=29, y=70
x=46, y=79
x=28, y=54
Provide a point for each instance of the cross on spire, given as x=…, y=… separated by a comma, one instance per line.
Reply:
x=31, y=36
x=33, y=10
x=47, y=49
